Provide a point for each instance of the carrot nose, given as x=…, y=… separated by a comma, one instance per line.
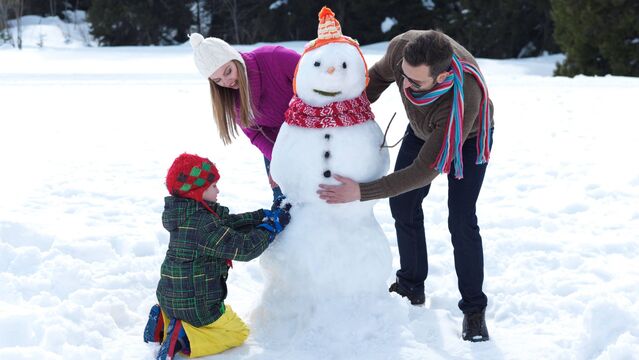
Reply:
x=330, y=70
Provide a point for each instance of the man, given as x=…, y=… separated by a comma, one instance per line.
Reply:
x=450, y=129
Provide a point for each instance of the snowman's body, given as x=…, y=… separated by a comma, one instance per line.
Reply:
x=327, y=272
x=332, y=249
x=328, y=250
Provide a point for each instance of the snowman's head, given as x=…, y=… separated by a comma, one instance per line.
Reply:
x=332, y=67
x=333, y=72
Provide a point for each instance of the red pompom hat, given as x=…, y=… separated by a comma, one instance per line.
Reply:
x=189, y=176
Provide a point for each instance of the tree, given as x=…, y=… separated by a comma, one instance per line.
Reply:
x=9, y=9
x=238, y=21
x=498, y=28
x=135, y=22
x=598, y=36
x=4, y=21
x=20, y=6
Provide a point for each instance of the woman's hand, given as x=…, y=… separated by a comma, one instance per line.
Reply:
x=272, y=182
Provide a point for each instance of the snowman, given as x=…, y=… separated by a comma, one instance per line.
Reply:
x=331, y=259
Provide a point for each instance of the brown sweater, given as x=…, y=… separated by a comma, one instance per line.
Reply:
x=428, y=122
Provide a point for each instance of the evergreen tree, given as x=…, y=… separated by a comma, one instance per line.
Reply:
x=201, y=16
x=598, y=37
x=301, y=19
x=413, y=15
x=236, y=21
x=488, y=28
x=42, y=7
x=134, y=22
x=499, y=28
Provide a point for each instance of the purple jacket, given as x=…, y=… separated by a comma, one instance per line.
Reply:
x=270, y=71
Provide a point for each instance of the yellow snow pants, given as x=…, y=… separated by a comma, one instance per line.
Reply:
x=226, y=332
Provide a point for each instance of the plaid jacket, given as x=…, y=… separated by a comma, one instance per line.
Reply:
x=192, y=286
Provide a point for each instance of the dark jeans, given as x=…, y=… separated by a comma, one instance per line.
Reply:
x=276, y=190
x=462, y=223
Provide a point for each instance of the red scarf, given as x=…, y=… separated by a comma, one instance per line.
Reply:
x=340, y=113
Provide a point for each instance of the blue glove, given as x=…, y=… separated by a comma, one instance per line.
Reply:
x=271, y=222
x=275, y=221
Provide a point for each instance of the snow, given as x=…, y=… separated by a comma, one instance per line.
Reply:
x=52, y=32
x=428, y=4
x=88, y=134
x=388, y=24
x=277, y=4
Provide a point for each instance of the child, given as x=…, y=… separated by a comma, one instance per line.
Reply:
x=191, y=316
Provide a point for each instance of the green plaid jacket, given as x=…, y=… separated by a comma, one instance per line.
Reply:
x=192, y=286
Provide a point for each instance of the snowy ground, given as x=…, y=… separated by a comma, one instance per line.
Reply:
x=88, y=133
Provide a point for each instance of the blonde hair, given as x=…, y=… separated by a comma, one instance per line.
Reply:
x=223, y=100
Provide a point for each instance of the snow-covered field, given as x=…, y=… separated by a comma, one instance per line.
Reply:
x=87, y=135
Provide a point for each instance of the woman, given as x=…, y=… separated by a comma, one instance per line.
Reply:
x=249, y=89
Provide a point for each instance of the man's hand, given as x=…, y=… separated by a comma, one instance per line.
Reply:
x=338, y=194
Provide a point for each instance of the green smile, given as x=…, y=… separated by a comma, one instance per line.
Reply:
x=326, y=93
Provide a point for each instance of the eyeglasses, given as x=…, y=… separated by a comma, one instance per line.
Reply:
x=411, y=81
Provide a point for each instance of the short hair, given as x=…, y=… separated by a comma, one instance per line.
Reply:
x=432, y=49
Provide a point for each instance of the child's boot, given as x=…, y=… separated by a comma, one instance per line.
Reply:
x=174, y=342
x=154, y=329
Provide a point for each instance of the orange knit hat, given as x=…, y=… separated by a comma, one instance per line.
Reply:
x=330, y=31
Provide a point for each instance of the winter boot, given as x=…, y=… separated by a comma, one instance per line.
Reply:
x=416, y=299
x=174, y=342
x=154, y=330
x=474, y=327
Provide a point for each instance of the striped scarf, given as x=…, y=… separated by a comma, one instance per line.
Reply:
x=452, y=146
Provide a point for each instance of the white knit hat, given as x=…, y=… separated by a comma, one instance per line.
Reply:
x=211, y=53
